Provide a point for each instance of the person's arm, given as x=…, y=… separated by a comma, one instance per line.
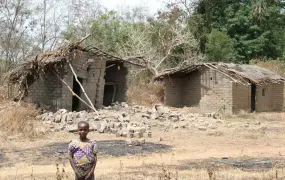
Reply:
x=93, y=168
x=73, y=166
x=94, y=151
x=71, y=148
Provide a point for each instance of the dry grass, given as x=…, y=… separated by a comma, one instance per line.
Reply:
x=273, y=65
x=17, y=118
x=146, y=94
x=3, y=93
x=162, y=172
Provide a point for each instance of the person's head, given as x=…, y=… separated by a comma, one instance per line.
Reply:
x=83, y=129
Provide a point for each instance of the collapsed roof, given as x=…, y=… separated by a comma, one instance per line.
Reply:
x=29, y=70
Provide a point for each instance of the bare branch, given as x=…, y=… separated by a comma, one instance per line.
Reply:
x=72, y=92
x=83, y=90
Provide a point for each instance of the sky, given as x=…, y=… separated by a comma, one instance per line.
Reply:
x=152, y=5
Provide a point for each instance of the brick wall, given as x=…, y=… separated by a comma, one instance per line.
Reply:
x=197, y=84
x=269, y=97
x=241, y=98
x=191, y=89
x=47, y=90
x=207, y=88
x=172, y=90
x=91, y=69
x=216, y=92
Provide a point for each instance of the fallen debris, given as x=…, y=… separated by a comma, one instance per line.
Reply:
x=127, y=121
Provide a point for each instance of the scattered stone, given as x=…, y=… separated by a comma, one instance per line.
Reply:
x=138, y=135
x=183, y=125
x=103, y=127
x=211, y=126
x=135, y=142
x=118, y=134
x=202, y=128
x=113, y=130
x=149, y=134
x=57, y=118
x=215, y=133
x=72, y=128
x=64, y=117
x=124, y=134
x=135, y=121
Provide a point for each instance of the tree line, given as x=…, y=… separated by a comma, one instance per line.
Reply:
x=183, y=31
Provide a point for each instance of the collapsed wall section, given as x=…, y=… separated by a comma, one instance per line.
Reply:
x=90, y=70
x=216, y=92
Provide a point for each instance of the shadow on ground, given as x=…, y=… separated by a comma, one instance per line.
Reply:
x=57, y=152
x=243, y=163
x=2, y=157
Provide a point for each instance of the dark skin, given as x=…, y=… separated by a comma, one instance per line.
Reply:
x=83, y=130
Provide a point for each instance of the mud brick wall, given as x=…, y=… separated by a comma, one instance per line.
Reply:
x=66, y=98
x=197, y=84
x=270, y=97
x=241, y=98
x=91, y=70
x=207, y=88
x=47, y=90
x=173, y=90
x=216, y=92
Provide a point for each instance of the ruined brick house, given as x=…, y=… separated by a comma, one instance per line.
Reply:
x=102, y=75
x=216, y=87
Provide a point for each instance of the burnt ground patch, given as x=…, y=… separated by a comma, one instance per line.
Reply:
x=2, y=157
x=244, y=163
x=57, y=152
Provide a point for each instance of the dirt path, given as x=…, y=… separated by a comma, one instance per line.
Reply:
x=188, y=152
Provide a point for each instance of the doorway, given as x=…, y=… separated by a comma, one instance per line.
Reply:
x=109, y=94
x=253, y=97
x=77, y=90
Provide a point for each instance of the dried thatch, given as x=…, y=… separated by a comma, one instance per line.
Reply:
x=28, y=71
x=243, y=74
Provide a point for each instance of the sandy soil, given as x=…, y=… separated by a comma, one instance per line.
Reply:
x=183, y=153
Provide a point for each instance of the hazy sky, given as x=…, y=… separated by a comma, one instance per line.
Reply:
x=152, y=5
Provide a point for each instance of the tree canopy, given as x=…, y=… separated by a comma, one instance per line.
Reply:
x=184, y=31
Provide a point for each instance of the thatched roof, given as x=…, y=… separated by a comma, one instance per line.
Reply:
x=29, y=70
x=240, y=73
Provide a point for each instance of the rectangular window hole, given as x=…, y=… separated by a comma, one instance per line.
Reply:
x=263, y=92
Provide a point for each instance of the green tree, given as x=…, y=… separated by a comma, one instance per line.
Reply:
x=219, y=47
x=256, y=27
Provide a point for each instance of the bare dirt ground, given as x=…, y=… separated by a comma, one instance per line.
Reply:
x=249, y=147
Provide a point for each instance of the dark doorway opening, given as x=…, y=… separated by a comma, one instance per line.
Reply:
x=253, y=97
x=109, y=94
x=76, y=89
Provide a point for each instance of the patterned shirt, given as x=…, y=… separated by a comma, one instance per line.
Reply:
x=83, y=152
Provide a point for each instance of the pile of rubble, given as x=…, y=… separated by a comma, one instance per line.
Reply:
x=127, y=121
